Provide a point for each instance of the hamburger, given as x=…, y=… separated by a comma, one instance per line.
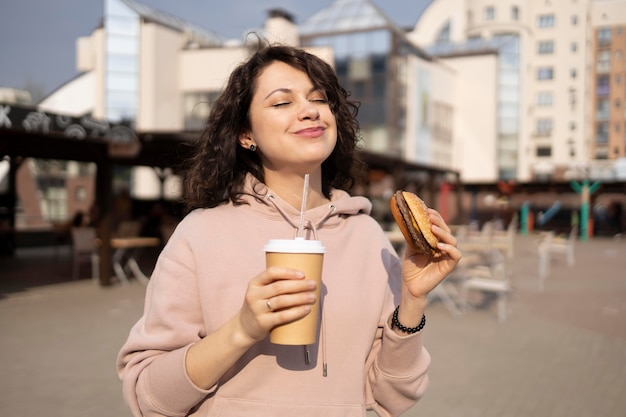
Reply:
x=411, y=214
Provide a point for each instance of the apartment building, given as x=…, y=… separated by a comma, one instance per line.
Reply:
x=552, y=56
x=608, y=76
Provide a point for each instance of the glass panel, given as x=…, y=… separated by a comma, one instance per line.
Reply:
x=545, y=47
x=545, y=21
x=507, y=110
x=117, y=8
x=544, y=98
x=122, y=44
x=509, y=94
x=122, y=82
x=602, y=132
x=121, y=99
x=509, y=125
x=123, y=25
x=544, y=73
x=123, y=63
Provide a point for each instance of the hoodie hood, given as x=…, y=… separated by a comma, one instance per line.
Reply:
x=270, y=205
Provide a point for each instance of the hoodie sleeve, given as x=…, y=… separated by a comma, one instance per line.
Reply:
x=151, y=363
x=397, y=364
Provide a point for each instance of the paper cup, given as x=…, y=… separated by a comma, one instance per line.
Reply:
x=306, y=256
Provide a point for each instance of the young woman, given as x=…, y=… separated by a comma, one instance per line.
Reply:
x=202, y=346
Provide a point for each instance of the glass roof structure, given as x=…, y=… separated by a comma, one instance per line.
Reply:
x=345, y=16
x=201, y=36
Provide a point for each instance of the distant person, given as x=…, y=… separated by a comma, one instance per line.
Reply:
x=201, y=347
x=614, y=214
x=78, y=220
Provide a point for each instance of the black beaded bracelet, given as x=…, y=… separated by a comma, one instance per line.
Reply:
x=404, y=329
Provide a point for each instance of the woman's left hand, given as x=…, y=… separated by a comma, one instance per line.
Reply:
x=421, y=273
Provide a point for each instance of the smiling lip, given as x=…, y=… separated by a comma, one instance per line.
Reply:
x=312, y=132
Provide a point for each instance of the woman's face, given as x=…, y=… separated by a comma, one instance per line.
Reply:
x=292, y=125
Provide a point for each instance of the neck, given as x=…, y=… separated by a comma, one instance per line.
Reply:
x=289, y=187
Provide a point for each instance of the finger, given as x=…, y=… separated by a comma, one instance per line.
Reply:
x=437, y=219
x=275, y=273
x=444, y=235
x=283, y=302
x=451, y=251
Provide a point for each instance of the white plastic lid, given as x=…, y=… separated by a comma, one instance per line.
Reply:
x=297, y=245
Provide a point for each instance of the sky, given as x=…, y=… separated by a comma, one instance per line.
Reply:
x=38, y=37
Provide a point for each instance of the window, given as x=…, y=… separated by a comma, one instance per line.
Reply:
x=545, y=47
x=604, y=61
x=602, y=133
x=543, y=151
x=443, y=37
x=545, y=21
x=544, y=99
x=80, y=193
x=602, y=153
x=618, y=103
x=618, y=55
x=618, y=78
x=602, y=90
x=515, y=13
x=573, y=47
x=574, y=20
x=604, y=36
x=489, y=13
x=572, y=97
x=602, y=109
x=572, y=73
x=572, y=126
x=197, y=107
x=545, y=73
x=544, y=127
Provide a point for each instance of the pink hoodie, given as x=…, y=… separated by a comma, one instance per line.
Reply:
x=199, y=282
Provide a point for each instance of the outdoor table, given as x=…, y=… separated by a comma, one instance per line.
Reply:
x=126, y=249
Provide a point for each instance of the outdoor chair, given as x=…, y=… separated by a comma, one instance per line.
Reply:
x=488, y=279
x=551, y=245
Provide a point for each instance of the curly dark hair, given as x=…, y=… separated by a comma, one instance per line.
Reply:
x=218, y=167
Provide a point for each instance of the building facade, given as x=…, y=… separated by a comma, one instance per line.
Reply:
x=559, y=68
x=513, y=90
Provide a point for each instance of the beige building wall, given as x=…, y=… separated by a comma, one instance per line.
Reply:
x=442, y=113
x=475, y=109
x=566, y=139
x=207, y=69
x=99, y=110
x=160, y=101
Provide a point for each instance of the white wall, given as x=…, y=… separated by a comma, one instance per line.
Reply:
x=475, y=109
x=75, y=98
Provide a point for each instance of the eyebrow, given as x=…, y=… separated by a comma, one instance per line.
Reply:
x=288, y=90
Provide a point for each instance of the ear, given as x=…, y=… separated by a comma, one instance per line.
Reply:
x=245, y=140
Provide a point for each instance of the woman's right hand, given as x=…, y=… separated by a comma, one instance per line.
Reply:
x=290, y=297
x=275, y=296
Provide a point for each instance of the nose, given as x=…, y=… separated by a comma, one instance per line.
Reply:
x=309, y=111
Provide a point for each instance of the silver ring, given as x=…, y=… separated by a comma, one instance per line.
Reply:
x=269, y=305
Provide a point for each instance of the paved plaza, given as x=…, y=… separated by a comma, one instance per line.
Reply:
x=560, y=353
